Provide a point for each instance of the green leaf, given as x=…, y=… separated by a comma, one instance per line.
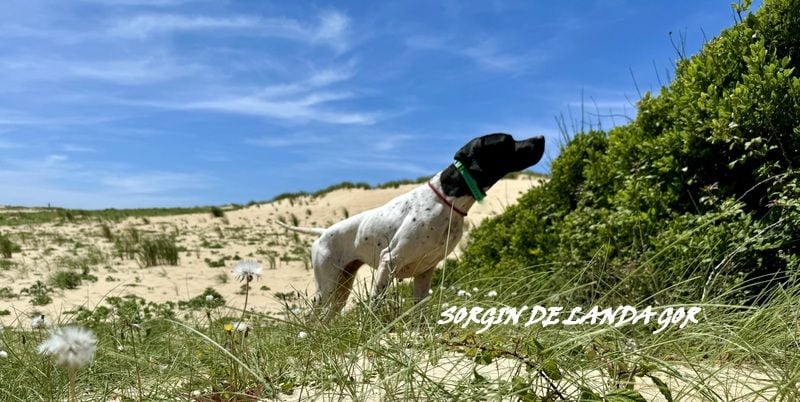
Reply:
x=550, y=368
x=587, y=395
x=663, y=388
x=624, y=395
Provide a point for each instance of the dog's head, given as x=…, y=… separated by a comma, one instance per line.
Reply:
x=489, y=158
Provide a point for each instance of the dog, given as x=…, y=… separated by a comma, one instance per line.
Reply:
x=411, y=233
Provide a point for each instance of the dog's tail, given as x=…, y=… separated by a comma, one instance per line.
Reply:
x=308, y=231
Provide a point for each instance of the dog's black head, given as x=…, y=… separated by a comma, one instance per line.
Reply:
x=489, y=158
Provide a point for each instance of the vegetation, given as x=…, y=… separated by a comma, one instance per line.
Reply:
x=692, y=204
x=7, y=247
x=700, y=189
x=157, y=250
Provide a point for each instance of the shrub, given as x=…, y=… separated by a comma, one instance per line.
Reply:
x=7, y=247
x=217, y=212
x=700, y=187
x=160, y=250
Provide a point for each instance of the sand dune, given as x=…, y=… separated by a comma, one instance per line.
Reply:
x=246, y=233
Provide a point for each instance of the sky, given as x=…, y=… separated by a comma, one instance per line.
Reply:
x=159, y=103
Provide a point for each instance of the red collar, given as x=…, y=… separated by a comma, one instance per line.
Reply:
x=445, y=201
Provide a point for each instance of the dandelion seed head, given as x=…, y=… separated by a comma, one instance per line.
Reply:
x=241, y=326
x=302, y=335
x=491, y=293
x=246, y=270
x=72, y=347
x=39, y=322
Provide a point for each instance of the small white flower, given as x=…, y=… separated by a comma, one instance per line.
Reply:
x=513, y=293
x=39, y=322
x=72, y=347
x=463, y=293
x=120, y=348
x=296, y=311
x=246, y=270
x=445, y=305
x=491, y=293
x=209, y=298
x=3, y=354
x=241, y=326
x=475, y=290
x=302, y=335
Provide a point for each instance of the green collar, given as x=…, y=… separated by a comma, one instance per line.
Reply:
x=473, y=186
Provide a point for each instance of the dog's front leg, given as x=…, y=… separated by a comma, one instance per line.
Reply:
x=383, y=277
x=422, y=285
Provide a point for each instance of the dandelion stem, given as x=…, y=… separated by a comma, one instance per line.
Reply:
x=72, y=394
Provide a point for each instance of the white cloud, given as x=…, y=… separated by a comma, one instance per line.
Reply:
x=146, y=25
x=487, y=54
x=283, y=141
x=331, y=28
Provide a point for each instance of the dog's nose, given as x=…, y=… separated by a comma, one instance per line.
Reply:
x=529, y=151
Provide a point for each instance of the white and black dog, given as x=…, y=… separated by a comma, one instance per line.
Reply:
x=410, y=234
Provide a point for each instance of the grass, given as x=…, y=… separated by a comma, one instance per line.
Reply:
x=17, y=216
x=399, y=352
x=158, y=250
x=7, y=247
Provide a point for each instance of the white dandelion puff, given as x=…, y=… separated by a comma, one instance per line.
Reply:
x=302, y=335
x=491, y=293
x=246, y=270
x=72, y=347
x=241, y=326
x=3, y=354
x=39, y=322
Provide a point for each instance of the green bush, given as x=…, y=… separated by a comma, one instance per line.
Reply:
x=7, y=247
x=700, y=189
x=160, y=250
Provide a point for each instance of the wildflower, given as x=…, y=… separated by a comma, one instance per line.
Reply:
x=241, y=326
x=228, y=327
x=39, y=322
x=246, y=270
x=302, y=335
x=72, y=347
x=491, y=293
x=120, y=348
x=209, y=298
x=3, y=354
x=296, y=311
x=475, y=290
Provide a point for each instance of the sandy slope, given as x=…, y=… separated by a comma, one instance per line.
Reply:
x=247, y=233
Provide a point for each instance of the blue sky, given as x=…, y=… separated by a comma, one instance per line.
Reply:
x=135, y=103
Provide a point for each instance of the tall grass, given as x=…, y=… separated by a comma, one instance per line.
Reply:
x=735, y=352
x=158, y=250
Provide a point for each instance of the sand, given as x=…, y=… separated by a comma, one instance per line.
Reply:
x=247, y=233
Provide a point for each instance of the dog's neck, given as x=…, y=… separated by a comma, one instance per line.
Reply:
x=463, y=203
